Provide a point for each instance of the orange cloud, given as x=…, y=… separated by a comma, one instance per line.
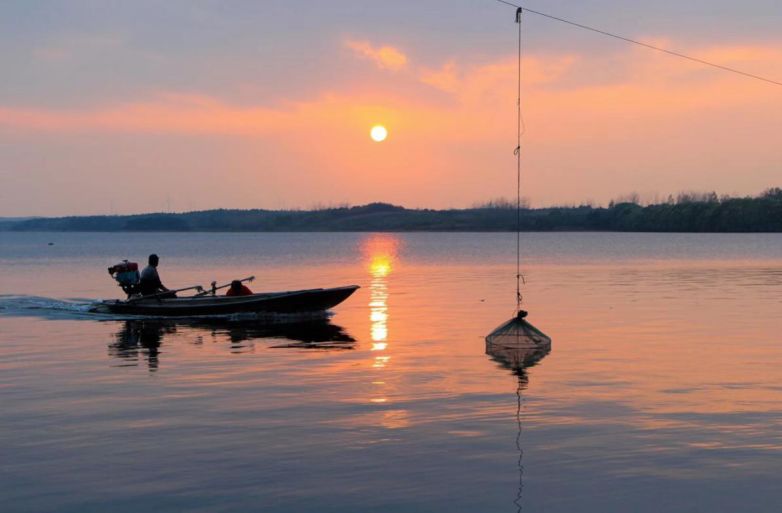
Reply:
x=169, y=113
x=598, y=126
x=482, y=78
x=446, y=78
x=385, y=57
x=655, y=86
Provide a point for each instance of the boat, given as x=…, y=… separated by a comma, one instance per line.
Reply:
x=207, y=302
x=287, y=302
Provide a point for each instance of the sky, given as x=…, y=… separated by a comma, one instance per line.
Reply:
x=177, y=105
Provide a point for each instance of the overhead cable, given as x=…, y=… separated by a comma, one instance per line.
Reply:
x=645, y=45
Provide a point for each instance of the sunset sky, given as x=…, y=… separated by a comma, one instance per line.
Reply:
x=125, y=107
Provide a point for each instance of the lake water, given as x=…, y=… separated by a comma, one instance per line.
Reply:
x=662, y=392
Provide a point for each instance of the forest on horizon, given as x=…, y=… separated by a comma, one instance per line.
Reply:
x=687, y=212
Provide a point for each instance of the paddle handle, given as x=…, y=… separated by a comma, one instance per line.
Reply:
x=214, y=288
x=157, y=294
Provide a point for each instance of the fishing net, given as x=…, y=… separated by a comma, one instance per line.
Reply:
x=517, y=343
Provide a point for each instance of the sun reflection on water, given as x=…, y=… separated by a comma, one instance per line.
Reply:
x=380, y=251
x=380, y=268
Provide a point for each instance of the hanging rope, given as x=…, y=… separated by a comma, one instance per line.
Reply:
x=647, y=45
x=517, y=152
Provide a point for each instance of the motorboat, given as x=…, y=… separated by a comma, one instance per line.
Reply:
x=207, y=302
x=286, y=302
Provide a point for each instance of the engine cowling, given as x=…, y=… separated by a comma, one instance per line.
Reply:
x=126, y=275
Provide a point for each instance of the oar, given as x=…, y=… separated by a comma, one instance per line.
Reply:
x=215, y=288
x=157, y=294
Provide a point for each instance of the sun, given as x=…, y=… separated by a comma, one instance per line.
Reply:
x=378, y=133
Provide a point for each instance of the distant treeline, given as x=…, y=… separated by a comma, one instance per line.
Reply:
x=686, y=213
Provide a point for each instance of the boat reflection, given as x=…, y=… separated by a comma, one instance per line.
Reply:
x=517, y=356
x=141, y=339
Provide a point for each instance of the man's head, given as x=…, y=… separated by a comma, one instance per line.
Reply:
x=153, y=260
x=236, y=286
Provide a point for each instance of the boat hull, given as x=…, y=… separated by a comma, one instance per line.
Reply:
x=297, y=301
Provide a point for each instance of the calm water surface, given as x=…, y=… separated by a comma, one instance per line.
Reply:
x=663, y=390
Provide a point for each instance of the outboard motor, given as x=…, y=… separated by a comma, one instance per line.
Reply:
x=127, y=276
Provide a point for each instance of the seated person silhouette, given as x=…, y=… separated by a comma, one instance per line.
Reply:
x=238, y=289
x=150, y=280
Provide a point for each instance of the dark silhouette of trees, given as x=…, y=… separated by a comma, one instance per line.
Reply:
x=687, y=212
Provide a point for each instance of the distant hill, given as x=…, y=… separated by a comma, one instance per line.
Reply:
x=7, y=222
x=687, y=213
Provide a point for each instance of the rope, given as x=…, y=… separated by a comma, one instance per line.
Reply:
x=517, y=152
x=519, y=448
x=646, y=45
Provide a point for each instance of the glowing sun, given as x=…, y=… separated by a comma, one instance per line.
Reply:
x=378, y=133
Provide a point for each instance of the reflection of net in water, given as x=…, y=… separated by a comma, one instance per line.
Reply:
x=518, y=345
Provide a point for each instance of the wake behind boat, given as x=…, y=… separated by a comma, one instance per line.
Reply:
x=238, y=300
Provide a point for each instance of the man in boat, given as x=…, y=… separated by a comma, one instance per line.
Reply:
x=150, y=280
x=238, y=289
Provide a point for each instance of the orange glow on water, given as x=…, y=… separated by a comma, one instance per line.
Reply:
x=380, y=251
x=380, y=266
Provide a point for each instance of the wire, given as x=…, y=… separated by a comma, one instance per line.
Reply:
x=645, y=45
x=517, y=151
